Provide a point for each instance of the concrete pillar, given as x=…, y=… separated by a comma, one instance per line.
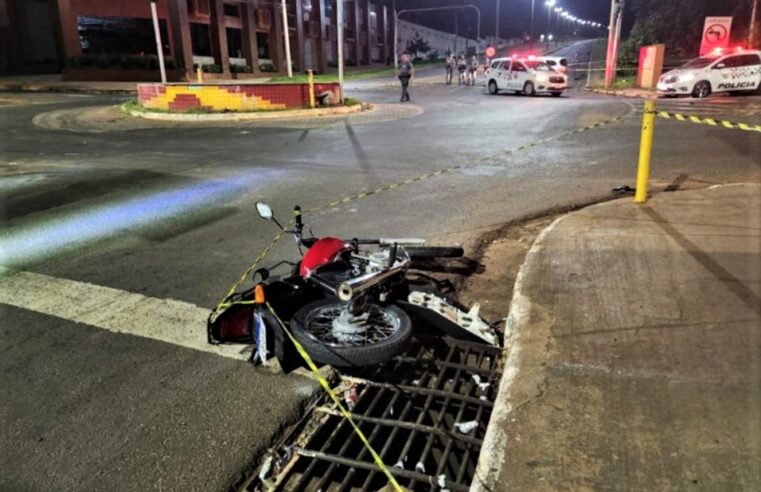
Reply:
x=182, y=46
x=219, y=36
x=299, y=58
x=69, y=29
x=318, y=7
x=384, y=32
x=277, y=48
x=250, y=46
x=357, y=35
x=366, y=33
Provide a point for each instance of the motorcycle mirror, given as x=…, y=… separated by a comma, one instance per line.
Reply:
x=265, y=212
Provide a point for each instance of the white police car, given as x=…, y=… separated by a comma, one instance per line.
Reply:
x=527, y=76
x=719, y=71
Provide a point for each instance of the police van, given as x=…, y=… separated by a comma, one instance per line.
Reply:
x=719, y=71
x=526, y=76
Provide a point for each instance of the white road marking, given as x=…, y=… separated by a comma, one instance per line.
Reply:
x=118, y=311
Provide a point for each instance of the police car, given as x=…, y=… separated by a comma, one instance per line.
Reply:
x=528, y=76
x=719, y=71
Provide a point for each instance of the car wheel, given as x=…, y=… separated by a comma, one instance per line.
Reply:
x=702, y=89
x=528, y=89
x=493, y=89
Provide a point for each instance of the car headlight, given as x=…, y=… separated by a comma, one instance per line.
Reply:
x=669, y=79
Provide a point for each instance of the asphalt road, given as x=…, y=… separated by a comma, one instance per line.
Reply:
x=119, y=221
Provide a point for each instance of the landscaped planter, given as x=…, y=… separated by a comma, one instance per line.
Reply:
x=231, y=97
x=121, y=75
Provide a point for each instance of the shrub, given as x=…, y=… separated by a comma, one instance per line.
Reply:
x=241, y=69
x=212, y=68
x=267, y=67
x=350, y=101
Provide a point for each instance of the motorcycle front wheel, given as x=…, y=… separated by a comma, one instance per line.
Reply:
x=331, y=334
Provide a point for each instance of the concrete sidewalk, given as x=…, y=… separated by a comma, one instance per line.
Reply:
x=635, y=350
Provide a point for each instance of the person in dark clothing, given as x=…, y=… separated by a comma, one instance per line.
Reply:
x=406, y=73
x=450, y=63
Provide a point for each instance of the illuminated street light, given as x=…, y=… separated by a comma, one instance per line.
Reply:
x=550, y=4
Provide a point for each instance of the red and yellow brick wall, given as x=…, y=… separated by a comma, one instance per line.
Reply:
x=230, y=97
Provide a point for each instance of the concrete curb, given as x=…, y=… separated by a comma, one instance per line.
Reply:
x=495, y=440
x=63, y=89
x=623, y=94
x=268, y=115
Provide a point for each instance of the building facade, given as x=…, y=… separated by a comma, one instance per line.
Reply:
x=40, y=36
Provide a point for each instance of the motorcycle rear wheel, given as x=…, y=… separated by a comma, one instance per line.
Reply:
x=375, y=339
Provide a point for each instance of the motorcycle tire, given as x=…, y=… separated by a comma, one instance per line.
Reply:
x=421, y=252
x=339, y=355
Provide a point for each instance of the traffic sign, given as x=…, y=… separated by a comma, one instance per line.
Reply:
x=490, y=51
x=716, y=32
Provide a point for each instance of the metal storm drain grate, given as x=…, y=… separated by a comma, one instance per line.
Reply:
x=424, y=412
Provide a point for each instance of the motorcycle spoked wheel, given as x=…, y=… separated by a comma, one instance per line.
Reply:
x=331, y=335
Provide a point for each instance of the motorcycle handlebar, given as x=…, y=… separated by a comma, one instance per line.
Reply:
x=386, y=241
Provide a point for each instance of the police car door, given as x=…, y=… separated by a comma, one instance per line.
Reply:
x=737, y=73
x=501, y=73
x=518, y=76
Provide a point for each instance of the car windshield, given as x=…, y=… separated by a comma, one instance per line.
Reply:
x=538, y=66
x=701, y=62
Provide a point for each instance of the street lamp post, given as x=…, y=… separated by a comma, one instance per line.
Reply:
x=616, y=14
x=340, y=36
x=287, y=38
x=752, y=28
x=159, y=47
x=549, y=4
x=496, y=26
x=533, y=7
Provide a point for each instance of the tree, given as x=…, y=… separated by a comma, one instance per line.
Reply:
x=418, y=45
x=679, y=24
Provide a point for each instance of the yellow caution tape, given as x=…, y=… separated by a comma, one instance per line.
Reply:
x=703, y=120
x=225, y=303
x=326, y=386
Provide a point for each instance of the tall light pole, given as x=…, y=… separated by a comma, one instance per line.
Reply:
x=616, y=15
x=549, y=4
x=533, y=7
x=340, y=36
x=752, y=29
x=496, y=26
x=287, y=37
x=159, y=47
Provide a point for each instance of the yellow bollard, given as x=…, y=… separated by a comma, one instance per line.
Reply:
x=310, y=79
x=199, y=75
x=645, y=151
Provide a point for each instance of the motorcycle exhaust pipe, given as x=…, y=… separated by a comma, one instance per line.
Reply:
x=350, y=289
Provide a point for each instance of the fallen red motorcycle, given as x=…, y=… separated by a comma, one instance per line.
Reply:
x=348, y=302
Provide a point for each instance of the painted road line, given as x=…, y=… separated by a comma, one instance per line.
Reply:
x=166, y=320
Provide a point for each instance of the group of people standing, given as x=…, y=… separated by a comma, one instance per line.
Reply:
x=467, y=71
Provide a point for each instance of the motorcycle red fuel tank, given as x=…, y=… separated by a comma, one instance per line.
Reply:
x=322, y=252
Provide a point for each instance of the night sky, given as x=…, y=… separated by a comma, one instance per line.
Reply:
x=515, y=15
